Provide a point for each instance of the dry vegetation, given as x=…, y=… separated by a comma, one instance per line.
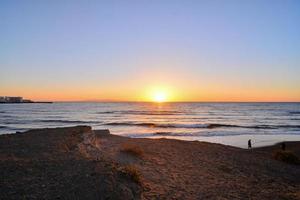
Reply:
x=131, y=172
x=132, y=149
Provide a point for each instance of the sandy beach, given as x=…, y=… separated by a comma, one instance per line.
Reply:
x=81, y=163
x=150, y=100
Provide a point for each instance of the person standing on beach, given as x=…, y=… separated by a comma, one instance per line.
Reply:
x=283, y=146
x=249, y=144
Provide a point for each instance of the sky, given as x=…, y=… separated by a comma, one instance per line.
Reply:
x=130, y=50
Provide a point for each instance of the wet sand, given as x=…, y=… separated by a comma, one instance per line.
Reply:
x=78, y=163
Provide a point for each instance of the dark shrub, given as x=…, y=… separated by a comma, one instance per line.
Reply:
x=287, y=157
x=131, y=172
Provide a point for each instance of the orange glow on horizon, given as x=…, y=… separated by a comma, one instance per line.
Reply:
x=145, y=92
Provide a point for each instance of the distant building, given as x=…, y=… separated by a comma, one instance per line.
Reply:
x=15, y=99
x=5, y=99
x=2, y=99
x=11, y=99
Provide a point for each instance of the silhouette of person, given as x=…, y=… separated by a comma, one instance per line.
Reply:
x=283, y=146
x=249, y=144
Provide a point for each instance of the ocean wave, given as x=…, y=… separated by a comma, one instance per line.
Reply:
x=196, y=126
x=106, y=112
x=39, y=111
x=186, y=134
x=294, y=112
x=295, y=119
x=288, y=126
x=161, y=133
x=143, y=112
x=9, y=116
x=156, y=125
x=8, y=128
x=13, y=122
x=210, y=134
x=66, y=121
x=130, y=124
x=204, y=134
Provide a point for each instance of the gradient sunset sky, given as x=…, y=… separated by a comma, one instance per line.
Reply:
x=202, y=50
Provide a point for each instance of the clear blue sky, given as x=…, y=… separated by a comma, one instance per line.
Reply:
x=206, y=50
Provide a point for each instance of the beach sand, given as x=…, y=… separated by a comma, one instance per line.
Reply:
x=78, y=163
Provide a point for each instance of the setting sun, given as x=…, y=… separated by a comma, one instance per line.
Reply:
x=159, y=93
x=160, y=96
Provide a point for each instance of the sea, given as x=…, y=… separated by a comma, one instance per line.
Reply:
x=226, y=123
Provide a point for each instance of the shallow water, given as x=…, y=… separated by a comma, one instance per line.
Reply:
x=227, y=123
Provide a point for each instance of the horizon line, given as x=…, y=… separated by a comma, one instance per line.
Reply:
x=113, y=101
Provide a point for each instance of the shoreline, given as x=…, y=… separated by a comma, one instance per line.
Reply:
x=78, y=162
x=240, y=141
